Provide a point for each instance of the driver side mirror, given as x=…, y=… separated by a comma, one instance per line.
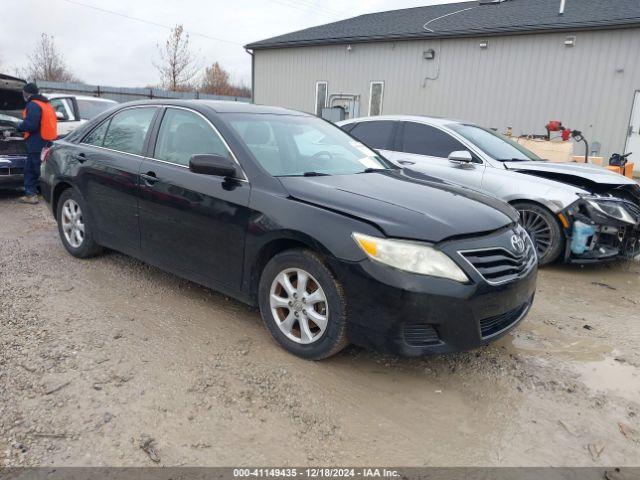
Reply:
x=461, y=157
x=216, y=165
x=60, y=116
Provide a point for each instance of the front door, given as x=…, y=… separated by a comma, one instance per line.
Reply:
x=633, y=134
x=68, y=117
x=110, y=158
x=192, y=224
x=426, y=149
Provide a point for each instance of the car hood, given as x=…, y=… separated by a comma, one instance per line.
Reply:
x=405, y=204
x=11, y=99
x=563, y=171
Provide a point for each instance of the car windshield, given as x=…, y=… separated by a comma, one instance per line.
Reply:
x=292, y=145
x=495, y=145
x=92, y=108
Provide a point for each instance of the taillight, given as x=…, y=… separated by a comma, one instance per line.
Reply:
x=44, y=154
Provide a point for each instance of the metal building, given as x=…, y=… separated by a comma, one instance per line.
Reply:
x=500, y=63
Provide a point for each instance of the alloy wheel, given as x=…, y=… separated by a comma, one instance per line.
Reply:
x=72, y=223
x=538, y=229
x=299, y=306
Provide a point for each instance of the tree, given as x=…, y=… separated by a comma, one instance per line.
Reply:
x=177, y=65
x=46, y=63
x=216, y=80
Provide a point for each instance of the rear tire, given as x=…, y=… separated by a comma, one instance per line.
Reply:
x=303, y=305
x=544, y=229
x=75, y=226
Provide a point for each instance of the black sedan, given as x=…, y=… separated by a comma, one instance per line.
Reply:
x=285, y=211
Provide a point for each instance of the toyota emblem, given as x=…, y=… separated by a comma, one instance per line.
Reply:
x=517, y=243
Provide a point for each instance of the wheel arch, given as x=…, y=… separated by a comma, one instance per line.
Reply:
x=564, y=236
x=271, y=248
x=55, y=195
x=538, y=203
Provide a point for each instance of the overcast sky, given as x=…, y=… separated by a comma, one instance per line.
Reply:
x=108, y=49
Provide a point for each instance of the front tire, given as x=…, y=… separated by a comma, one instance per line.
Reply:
x=544, y=229
x=75, y=226
x=303, y=305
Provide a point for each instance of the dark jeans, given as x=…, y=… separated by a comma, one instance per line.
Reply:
x=31, y=173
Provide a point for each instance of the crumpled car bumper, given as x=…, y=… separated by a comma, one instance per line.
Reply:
x=595, y=236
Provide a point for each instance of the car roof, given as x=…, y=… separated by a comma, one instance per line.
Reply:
x=79, y=97
x=218, y=106
x=439, y=121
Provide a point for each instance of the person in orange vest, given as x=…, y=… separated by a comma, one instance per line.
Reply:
x=40, y=127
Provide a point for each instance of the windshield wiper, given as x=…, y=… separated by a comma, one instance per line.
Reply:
x=374, y=170
x=315, y=174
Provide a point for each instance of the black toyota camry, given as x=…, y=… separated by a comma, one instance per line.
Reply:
x=285, y=211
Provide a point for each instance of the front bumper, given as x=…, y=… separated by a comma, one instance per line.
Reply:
x=611, y=239
x=415, y=315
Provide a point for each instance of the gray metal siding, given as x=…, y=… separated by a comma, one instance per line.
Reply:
x=520, y=81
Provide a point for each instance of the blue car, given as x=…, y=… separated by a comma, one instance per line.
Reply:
x=13, y=152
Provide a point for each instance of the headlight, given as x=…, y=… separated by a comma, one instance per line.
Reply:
x=409, y=256
x=612, y=209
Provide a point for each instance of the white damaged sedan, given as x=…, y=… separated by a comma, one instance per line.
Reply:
x=573, y=212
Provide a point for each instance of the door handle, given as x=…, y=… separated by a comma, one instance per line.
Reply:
x=149, y=178
x=80, y=157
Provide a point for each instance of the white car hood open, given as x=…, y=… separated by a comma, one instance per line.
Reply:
x=589, y=172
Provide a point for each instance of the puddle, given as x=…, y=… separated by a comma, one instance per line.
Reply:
x=544, y=340
x=611, y=376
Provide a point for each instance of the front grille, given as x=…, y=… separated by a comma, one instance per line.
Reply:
x=493, y=325
x=420, y=335
x=12, y=147
x=11, y=171
x=499, y=265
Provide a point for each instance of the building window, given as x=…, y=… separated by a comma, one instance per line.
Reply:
x=321, y=97
x=376, y=94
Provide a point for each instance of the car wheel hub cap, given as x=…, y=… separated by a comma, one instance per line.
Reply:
x=538, y=229
x=72, y=223
x=299, y=306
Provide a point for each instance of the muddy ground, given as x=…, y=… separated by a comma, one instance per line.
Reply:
x=101, y=357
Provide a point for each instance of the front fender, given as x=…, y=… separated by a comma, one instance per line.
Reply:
x=514, y=186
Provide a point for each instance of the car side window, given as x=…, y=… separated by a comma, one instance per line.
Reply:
x=376, y=134
x=128, y=129
x=63, y=109
x=96, y=137
x=426, y=140
x=184, y=133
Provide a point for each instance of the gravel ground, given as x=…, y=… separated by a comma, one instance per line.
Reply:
x=111, y=362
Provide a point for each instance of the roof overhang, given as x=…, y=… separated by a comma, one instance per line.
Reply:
x=507, y=31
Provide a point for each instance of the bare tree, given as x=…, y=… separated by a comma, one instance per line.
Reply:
x=216, y=80
x=177, y=65
x=47, y=63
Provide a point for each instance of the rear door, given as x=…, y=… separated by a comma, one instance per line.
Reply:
x=110, y=157
x=192, y=224
x=378, y=134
